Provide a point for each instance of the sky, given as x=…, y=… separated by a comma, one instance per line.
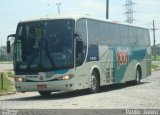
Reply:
x=12, y=11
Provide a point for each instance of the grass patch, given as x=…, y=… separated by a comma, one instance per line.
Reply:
x=6, y=84
x=155, y=67
x=10, y=74
x=157, y=58
x=6, y=62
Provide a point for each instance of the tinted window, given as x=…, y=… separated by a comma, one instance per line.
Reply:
x=44, y=45
x=105, y=33
x=146, y=37
x=81, y=29
x=133, y=36
x=93, y=32
x=140, y=37
x=115, y=34
x=124, y=30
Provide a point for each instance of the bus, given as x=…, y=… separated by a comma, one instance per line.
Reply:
x=75, y=53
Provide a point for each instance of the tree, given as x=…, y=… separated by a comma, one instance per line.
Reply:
x=4, y=56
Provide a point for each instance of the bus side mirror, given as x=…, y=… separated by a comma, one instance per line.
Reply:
x=8, y=47
x=12, y=36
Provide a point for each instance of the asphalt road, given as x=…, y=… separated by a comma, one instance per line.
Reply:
x=121, y=96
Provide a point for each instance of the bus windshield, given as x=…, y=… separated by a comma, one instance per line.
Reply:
x=44, y=45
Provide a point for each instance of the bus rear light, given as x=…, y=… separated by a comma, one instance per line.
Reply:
x=65, y=77
x=19, y=79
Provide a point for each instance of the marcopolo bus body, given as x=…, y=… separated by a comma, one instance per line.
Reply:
x=77, y=53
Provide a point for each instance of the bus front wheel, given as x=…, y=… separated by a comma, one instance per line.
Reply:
x=45, y=93
x=95, y=83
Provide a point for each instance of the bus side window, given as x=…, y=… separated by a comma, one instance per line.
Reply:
x=81, y=42
x=140, y=38
x=115, y=34
x=124, y=31
x=133, y=36
x=105, y=33
x=146, y=38
x=93, y=32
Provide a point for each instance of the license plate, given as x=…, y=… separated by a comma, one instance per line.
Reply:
x=41, y=86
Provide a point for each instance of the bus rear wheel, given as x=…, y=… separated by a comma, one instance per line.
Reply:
x=45, y=93
x=95, y=83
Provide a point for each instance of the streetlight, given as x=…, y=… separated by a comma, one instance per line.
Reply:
x=58, y=4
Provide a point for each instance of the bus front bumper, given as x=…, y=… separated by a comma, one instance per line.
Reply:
x=65, y=85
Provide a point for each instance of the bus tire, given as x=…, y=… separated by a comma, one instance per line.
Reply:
x=95, y=83
x=45, y=93
x=138, y=76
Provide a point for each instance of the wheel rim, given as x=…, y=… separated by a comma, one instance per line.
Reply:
x=93, y=82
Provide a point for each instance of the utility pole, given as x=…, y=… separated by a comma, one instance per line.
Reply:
x=154, y=41
x=58, y=4
x=107, y=9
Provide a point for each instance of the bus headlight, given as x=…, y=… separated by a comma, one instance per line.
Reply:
x=19, y=79
x=65, y=77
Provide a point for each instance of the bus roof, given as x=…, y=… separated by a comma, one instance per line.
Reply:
x=76, y=17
